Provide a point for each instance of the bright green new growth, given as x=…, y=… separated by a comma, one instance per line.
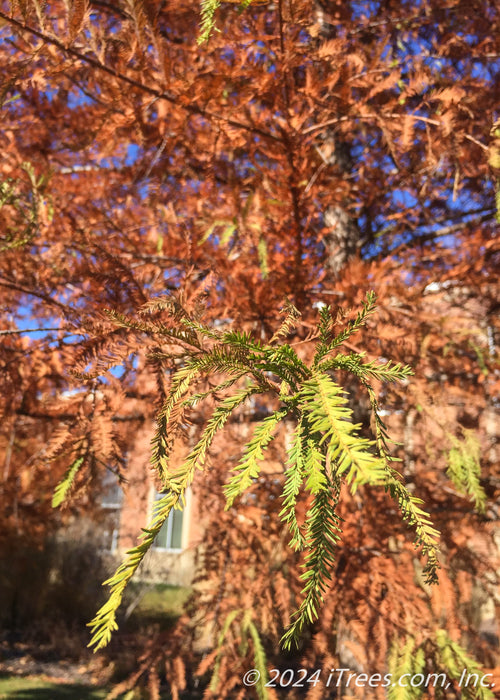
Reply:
x=208, y=9
x=435, y=663
x=63, y=487
x=464, y=468
x=246, y=630
x=405, y=663
x=28, y=208
x=326, y=448
x=455, y=660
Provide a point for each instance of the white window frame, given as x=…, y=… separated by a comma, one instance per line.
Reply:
x=111, y=480
x=169, y=522
x=114, y=505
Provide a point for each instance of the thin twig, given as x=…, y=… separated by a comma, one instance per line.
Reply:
x=391, y=115
x=478, y=143
x=19, y=331
x=172, y=99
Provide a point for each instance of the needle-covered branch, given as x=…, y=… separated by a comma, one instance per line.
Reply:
x=327, y=448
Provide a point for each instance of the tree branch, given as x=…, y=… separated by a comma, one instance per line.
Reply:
x=20, y=331
x=44, y=297
x=192, y=108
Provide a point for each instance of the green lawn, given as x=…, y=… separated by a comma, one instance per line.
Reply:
x=17, y=688
x=164, y=599
x=157, y=604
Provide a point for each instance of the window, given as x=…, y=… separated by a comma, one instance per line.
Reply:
x=111, y=504
x=170, y=535
x=111, y=492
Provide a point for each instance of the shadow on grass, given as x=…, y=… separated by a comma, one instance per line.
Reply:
x=153, y=604
x=149, y=606
x=16, y=688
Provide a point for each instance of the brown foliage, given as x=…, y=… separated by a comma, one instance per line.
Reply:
x=312, y=151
